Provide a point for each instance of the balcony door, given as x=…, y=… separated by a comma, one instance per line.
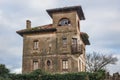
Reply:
x=74, y=44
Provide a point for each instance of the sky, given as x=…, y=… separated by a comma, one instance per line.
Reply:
x=102, y=25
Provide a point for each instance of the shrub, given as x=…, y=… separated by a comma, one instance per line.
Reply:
x=67, y=76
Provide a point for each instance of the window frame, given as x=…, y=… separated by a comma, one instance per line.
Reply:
x=65, y=64
x=74, y=45
x=35, y=64
x=64, y=22
x=64, y=42
x=74, y=41
x=35, y=44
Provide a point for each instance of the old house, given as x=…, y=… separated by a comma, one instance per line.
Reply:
x=58, y=47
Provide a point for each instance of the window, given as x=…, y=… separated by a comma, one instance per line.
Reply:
x=74, y=41
x=64, y=22
x=49, y=50
x=35, y=65
x=36, y=44
x=74, y=45
x=64, y=41
x=48, y=63
x=65, y=64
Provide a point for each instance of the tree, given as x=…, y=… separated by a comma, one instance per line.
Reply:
x=96, y=61
x=4, y=72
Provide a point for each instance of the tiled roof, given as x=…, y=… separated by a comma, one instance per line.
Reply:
x=49, y=28
x=66, y=9
x=45, y=28
x=85, y=37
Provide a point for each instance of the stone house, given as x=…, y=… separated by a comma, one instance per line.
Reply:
x=58, y=47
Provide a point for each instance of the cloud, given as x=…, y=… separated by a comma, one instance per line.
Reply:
x=35, y=4
x=12, y=18
x=115, y=68
x=102, y=24
x=17, y=70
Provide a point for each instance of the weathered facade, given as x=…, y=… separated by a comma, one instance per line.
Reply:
x=57, y=47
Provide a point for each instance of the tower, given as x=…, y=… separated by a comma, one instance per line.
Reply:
x=57, y=47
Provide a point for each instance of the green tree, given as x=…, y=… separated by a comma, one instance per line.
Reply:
x=3, y=70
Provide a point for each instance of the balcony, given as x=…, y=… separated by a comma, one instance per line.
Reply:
x=76, y=49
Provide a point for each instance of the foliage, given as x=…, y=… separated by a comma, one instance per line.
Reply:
x=41, y=75
x=96, y=61
x=35, y=75
x=2, y=78
x=100, y=75
x=76, y=76
x=38, y=72
x=67, y=76
x=3, y=71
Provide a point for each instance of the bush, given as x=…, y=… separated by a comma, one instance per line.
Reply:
x=68, y=76
x=35, y=75
x=100, y=75
x=3, y=71
x=41, y=75
x=2, y=78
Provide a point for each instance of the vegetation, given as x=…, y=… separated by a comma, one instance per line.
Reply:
x=41, y=75
x=96, y=62
x=4, y=72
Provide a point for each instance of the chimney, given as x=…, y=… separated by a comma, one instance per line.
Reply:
x=28, y=24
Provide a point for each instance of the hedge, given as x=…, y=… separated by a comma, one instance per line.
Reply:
x=40, y=75
x=68, y=76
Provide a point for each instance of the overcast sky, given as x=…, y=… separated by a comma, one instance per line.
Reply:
x=102, y=25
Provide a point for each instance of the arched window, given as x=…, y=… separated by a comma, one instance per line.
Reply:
x=64, y=22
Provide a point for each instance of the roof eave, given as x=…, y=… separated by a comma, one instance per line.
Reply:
x=21, y=33
x=67, y=9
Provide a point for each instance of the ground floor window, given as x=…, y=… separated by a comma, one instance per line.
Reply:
x=35, y=65
x=48, y=63
x=65, y=64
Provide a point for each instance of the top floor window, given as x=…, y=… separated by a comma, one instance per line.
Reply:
x=35, y=45
x=64, y=22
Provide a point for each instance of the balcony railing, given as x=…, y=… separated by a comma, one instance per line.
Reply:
x=76, y=48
